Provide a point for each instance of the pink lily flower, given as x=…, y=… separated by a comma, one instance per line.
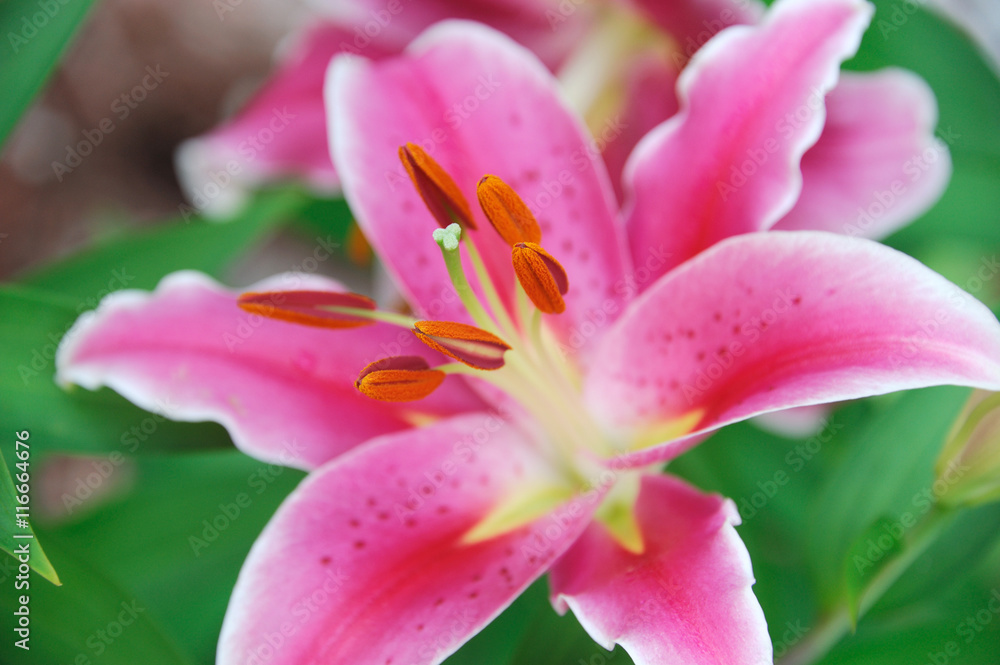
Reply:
x=858, y=178
x=280, y=133
x=438, y=490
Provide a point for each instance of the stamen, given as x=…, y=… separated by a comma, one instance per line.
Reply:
x=311, y=308
x=448, y=240
x=507, y=212
x=541, y=276
x=399, y=379
x=466, y=344
x=438, y=190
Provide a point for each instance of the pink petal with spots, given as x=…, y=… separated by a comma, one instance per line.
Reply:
x=728, y=162
x=379, y=534
x=685, y=599
x=479, y=104
x=280, y=134
x=770, y=321
x=693, y=22
x=285, y=392
x=877, y=165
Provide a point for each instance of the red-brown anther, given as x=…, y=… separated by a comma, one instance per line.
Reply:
x=541, y=276
x=440, y=193
x=507, y=212
x=399, y=379
x=305, y=307
x=467, y=344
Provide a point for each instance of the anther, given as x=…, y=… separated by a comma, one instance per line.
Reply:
x=399, y=379
x=541, y=276
x=507, y=212
x=438, y=190
x=311, y=308
x=467, y=344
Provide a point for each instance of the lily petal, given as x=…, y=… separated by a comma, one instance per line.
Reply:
x=376, y=540
x=877, y=165
x=751, y=105
x=685, y=599
x=693, y=22
x=285, y=392
x=479, y=104
x=280, y=133
x=769, y=321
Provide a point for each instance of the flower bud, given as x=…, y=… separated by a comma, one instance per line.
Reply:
x=969, y=464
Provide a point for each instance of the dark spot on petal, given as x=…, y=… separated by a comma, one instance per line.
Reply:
x=325, y=560
x=359, y=544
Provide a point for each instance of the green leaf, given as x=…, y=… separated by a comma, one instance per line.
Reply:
x=187, y=525
x=35, y=34
x=12, y=536
x=955, y=624
x=89, y=619
x=884, y=467
x=31, y=326
x=138, y=260
x=868, y=555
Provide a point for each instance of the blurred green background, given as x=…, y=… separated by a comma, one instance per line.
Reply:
x=139, y=491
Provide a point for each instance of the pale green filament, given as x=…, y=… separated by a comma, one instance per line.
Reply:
x=375, y=315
